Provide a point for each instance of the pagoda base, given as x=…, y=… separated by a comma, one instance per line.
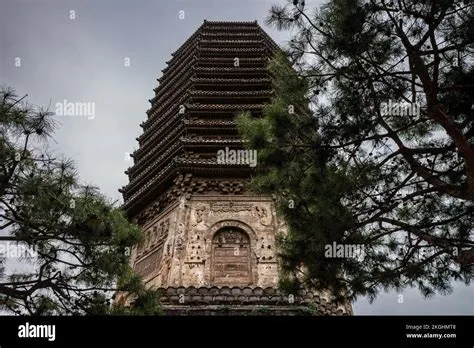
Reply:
x=212, y=301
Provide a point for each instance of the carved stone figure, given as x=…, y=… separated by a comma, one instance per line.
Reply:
x=200, y=213
x=165, y=268
x=264, y=216
x=180, y=243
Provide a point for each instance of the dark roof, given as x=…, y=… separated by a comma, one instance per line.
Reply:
x=201, y=87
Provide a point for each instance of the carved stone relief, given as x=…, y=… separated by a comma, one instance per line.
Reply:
x=174, y=273
x=149, y=263
x=166, y=262
x=200, y=213
x=230, y=207
x=186, y=184
x=179, y=245
x=207, y=246
x=263, y=214
x=153, y=236
x=164, y=270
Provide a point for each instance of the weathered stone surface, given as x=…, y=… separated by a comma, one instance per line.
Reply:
x=276, y=299
x=220, y=277
x=171, y=291
x=305, y=301
x=161, y=292
x=247, y=291
x=174, y=298
x=225, y=290
x=229, y=304
x=214, y=290
x=207, y=241
x=269, y=291
x=242, y=298
x=203, y=291
x=208, y=299
x=236, y=291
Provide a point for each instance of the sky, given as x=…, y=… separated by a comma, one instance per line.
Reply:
x=108, y=54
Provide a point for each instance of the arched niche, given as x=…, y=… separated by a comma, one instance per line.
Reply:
x=231, y=257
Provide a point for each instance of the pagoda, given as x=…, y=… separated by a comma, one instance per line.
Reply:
x=209, y=243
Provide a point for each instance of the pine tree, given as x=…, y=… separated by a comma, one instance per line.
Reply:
x=79, y=239
x=369, y=140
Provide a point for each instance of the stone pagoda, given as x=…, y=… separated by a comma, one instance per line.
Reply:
x=209, y=243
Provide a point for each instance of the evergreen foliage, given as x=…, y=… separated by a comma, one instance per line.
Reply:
x=347, y=169
x=80, y=237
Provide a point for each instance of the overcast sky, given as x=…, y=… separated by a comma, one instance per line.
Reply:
x=109, y=53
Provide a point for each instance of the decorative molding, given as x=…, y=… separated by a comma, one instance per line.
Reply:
x=230, y=223
x=248, y=296
x=186, y=184
x=231, y=236
x=230, y=207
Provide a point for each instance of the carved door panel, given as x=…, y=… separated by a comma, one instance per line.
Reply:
x=231, y=258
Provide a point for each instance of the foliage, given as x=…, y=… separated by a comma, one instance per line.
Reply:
x=346, y=169
x=80, y=237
